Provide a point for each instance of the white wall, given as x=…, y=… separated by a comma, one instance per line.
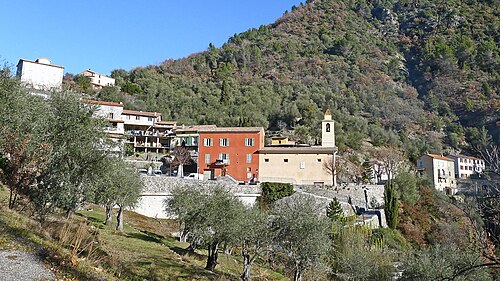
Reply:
x=152, y=204
x=449, y=170
x=143, y=120
x=40, y=76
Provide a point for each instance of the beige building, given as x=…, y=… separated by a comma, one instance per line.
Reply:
x=441, y=170
x=303, y=165
x=98, y=81
x=296, y=165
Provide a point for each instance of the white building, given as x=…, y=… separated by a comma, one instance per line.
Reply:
x=40, y=74
x=465, y=166
x=98, y=80
x=441, y=170
x=112, y=112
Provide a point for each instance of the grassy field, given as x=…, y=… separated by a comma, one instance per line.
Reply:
x=83, y=248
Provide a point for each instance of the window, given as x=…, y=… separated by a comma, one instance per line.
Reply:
x=327, y=127
x=127, y=117
x=249, y=169
x=111, y=115
x=224, y=142
x=302, y=165
x=319, y=160
x=266, y=159
x=249, y=141
x=249, y=158
x=138, y=118
x=150, y=119
x=207, y=158
x=207, y=142
x=224, y=157
x=420, y=164
x=285, y=160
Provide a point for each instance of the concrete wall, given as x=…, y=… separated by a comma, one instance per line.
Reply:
x=157, y=190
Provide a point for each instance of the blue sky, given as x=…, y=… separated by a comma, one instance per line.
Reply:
x=110, y=34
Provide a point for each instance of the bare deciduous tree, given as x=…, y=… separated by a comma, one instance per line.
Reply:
x=181, y=157
x=391, y=159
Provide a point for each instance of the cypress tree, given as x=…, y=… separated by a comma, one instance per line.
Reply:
x=391, y=205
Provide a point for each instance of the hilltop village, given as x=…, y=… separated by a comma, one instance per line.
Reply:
x=242, y=155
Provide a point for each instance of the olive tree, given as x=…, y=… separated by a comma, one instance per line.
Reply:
x=212, y=221
x=118, y=185
x=444, y=262
x=253, y=236
x=300, y=232
x=76, y=151
x=23, y=145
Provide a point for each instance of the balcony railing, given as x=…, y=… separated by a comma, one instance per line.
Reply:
x=141, y=133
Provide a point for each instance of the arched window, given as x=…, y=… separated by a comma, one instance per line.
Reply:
x=327, y=127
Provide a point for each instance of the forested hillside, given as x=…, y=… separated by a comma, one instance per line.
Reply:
x=417, y=74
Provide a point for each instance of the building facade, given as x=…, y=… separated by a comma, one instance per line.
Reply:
x=40, y=74
x=296, y=165
x=111, y=112
x=466, y=166
x=98, y=81
x=146, y=132
x=441, y=170
x=303, y=165
x=230, y=152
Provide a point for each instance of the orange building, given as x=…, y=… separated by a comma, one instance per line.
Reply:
x=231, y=151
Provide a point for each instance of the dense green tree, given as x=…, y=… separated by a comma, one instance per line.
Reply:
x=334, y=211
x=406, y=186
x=391, y=205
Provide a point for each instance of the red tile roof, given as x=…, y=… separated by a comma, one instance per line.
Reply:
x=464, y=156
x=230, y=129
x=439, y=157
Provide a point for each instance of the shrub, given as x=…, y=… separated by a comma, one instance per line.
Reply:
x=273, y=191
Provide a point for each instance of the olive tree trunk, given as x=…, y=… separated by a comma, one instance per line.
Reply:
x=109, y=213
x=297, y=276
x=247, y=264
x=119, y=219
x=213, y=254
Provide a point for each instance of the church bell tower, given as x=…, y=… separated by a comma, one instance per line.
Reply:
x=328, y=130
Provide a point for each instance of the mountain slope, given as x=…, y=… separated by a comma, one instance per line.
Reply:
x=392, y=72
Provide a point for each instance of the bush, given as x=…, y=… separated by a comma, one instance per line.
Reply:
x=273, y=191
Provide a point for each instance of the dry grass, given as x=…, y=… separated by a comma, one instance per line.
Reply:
x=83, y=248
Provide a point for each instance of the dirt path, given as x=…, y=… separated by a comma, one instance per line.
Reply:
x=22, y=266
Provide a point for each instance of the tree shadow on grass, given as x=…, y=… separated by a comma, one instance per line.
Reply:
x=185, y=252
x=144, y=237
